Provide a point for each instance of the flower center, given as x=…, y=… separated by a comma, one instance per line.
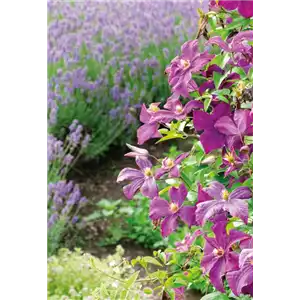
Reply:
x=148, y=172
x=230, y=158
x=169, y=163
x=185, y=63
x=225, y=195
x=174, y=208
x=153, y=107
x=219, y=252
x=178, y=109
x=251, y=262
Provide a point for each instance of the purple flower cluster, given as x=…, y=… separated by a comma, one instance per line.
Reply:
x=64, y=201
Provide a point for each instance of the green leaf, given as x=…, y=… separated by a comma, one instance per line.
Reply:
x=215, y=296
x=148, y=291
x=152, y=260
x=248, y=140
x=220, y=60
x=132, y=279
x=207, y=103
x=171, y=135
x=217, y=77
x=164, y=190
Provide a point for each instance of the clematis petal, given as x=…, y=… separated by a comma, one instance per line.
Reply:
x=136, y=152
x=200, y=61
x=174, y=172
x=211, y=140
x=187, y=215
x=181, y=157
x=189, y=49
x=236, y=236
x=226, y=126
x=241, y=118
x=160, y=172
x=144, y=115
x=222, y=109
x=229, y=5
x=130, y=190
x=217, y=40
x=191, y=105
x=232, y=261
x=164, y=116
x=208, y=261
x=202, y=120
x=237, y=280
x=216, y=274
x=159, y=208
x=147, y=132
x=245, y=256
x=206, y=85
x=178, y=195
x=237, y=208
x=143, y=163
x=208, y=209
x=246, y=244
x=241, y=192
x=245, y=8
x=215, y=190
x=219, y=229
x=229, y=81
x=202, y=195
x=149, y=188
x=130, y=174
x=168, y=225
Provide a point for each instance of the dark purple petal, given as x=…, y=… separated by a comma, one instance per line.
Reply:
x=206, y=85
x=168, y=225
x=191, y=105
x=245, y=8
x=241, y=192
x=187, y=215
x=130, y=189
x=222, y=109
x=229, y=81
x=217, y=40
x=178, y=195
x=181, y=157
x=130, y=174
x=246, y=244
x=229, y=5
x=208, y=209
x=146, y=132
x=208, y=261
x=232, y=261
x=202, y=120
x=143, y=163
x=226, y=126
x=211, y=140
x=215, y=190
x=245, y=256
x=149, y=188
x=164, y=116
x=219, y=229
x=216, y=274
x=159, y=208
x=202, y=195
x=237, y=208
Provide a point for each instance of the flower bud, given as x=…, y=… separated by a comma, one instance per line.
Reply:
x=209, y=160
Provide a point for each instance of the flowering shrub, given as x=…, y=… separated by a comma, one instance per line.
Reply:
x=102, y=67
x=64, y=197
x=210, y=187
x=77, y=275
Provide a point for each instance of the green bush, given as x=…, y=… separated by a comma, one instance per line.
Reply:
x=78, y=275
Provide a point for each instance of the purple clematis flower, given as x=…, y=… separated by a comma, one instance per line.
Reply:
x=218, y=256
x=179, y=293
x=204, y=196
x=182, y=67
x=241, y=281
x=171, y=166
x=232, y=161
x=235, y=129
x=149, y=129
x=211, y=138
x=171, y=211
x=175, y=110
x=142, y=179
x=244, y=7
x=187, y=242
x=234, y=203
x=137, y=152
